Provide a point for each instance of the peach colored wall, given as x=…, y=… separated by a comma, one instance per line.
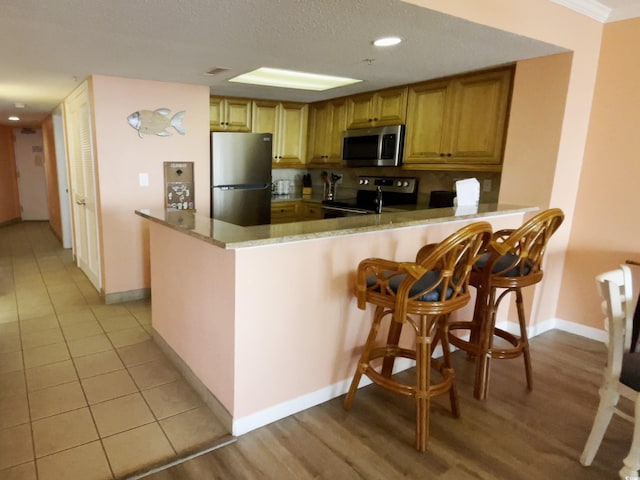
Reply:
x=531, y=154
x=9, y=200
x=533, y=139
x=605, y=232
x=552, y=23
x=286, y=312
x=303, y=291
x=193, y=306
x=122, y=155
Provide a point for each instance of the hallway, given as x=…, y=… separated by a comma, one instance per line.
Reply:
x=85, y=394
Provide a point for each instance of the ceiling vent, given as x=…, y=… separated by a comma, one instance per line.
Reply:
x=216, y=70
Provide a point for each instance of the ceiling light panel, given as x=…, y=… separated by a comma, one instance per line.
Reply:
x=274, y=77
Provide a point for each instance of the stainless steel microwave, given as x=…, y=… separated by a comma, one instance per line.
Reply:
x=373, y=147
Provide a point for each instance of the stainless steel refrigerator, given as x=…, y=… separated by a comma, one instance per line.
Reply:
x=241, y=177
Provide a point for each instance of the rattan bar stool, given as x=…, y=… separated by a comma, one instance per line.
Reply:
x=422, y=295
x=513, y=260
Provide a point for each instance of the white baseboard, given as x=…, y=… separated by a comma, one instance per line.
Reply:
x=243, y=425
x=251, y=422
x=559, y=324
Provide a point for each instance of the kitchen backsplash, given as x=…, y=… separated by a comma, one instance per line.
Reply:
x=429, y=181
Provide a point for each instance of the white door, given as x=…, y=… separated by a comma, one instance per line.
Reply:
x=32, y=181
x=83, y=197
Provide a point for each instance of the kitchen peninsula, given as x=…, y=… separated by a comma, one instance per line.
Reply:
x=264, y=317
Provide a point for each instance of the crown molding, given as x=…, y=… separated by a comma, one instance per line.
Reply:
x=600, y=12
x=590, y=8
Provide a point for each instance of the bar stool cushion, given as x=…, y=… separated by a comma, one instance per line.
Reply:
x=503, y=263
x=425, y=282
x=630, y=374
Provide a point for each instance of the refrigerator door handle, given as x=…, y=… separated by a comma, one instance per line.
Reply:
x=260, y=186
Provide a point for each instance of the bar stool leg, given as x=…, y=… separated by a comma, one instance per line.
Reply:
x=363, y=363
x=393, y=338
x=524, y=339
x=483, y=363
x=423, y=374
x=446, y=356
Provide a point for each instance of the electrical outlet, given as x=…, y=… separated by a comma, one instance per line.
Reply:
x=143, y=179
x=486, y=185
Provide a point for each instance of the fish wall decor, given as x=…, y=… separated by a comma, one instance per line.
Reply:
x=156, y=122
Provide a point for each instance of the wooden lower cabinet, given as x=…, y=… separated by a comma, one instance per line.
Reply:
x=311, y=211
x=284, y=212
x=295, y=211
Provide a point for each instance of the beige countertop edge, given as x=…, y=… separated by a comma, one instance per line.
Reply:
x=229, y=236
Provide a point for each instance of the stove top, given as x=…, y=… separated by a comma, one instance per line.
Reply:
x=395, y=191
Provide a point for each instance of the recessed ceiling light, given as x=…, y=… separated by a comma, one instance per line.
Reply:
x=19, y=105
x=275, y=77
x=387, y=41
x=13, y=118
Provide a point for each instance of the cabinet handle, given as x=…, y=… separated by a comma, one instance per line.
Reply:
x=442, y=154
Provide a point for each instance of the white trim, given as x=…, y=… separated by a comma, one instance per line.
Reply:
x=601, y=12
x=590, y=8
x=251, y=422
x=290, y=407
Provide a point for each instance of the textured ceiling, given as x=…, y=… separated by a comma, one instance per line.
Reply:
x=47, y=48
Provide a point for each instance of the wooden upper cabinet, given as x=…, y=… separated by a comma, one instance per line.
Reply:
x=461, y=121
x=327, y=122
x=427, y=117
x=287, y=122
x=229, y=114
x=384, y=107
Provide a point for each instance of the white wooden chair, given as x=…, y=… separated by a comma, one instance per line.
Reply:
x=622, y=372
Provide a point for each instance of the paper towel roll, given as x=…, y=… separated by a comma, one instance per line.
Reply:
x=468, y=192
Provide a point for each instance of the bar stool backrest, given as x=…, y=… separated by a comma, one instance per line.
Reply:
x=515, y=255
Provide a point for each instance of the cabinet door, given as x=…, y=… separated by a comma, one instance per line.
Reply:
x=319, y=131
x=216, y=115
x=284, y=212
x=229, y=114
x=360, y=111
x=311, y=211
x=264, y=120
x=390, y=107
x=238, y=115
x=479, y=117
x=292, y=133
x=426, y=121
x=338, y=126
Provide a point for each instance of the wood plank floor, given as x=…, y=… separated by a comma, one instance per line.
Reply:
x=515, y=434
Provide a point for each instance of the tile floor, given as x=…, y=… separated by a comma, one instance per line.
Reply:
x=84, y=392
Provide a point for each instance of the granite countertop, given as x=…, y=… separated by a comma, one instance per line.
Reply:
x=230, y=236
